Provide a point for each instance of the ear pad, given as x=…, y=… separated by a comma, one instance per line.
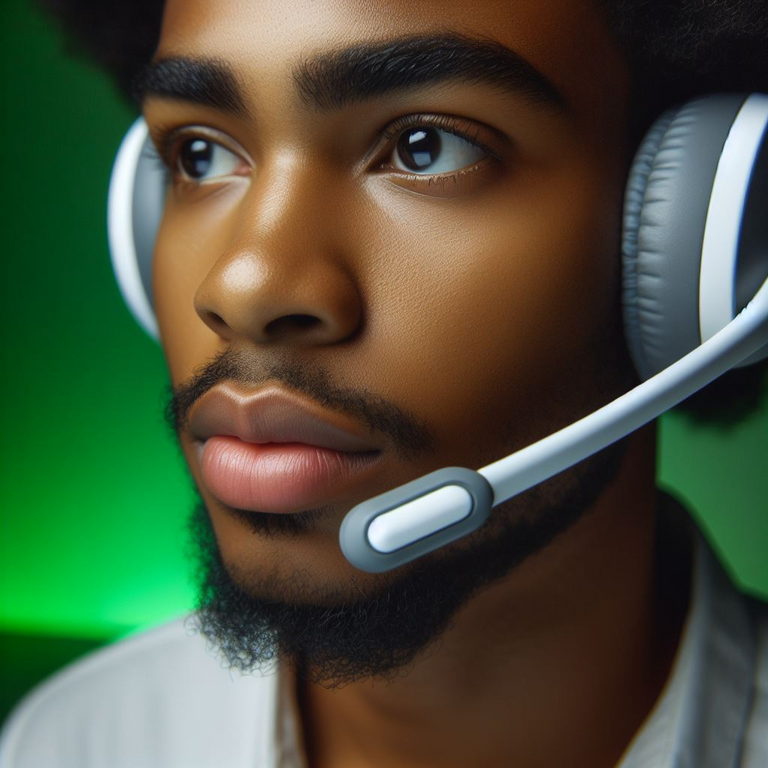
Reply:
x=137, y=191
x=666, y=211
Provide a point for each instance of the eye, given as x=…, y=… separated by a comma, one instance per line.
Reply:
x=429, y=150
x=201, y=160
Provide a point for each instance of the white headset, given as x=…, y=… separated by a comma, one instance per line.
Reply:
x=695, y=284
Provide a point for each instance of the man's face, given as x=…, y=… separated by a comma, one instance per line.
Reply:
x=431, y=260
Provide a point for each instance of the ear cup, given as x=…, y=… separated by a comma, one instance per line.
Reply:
x=734, y=259
x=137, y=191
x=665, y=215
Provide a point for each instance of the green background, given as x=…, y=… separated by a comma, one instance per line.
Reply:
x=94, y=495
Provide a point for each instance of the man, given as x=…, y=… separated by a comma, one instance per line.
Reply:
x=389, y=246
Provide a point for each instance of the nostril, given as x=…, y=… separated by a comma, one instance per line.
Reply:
x=215, y=321
x=288, y=323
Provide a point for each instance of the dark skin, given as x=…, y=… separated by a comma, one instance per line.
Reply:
x=559, y=662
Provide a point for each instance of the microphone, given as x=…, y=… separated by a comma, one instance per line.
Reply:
x=420, y=516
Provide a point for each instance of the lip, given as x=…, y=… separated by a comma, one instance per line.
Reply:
x=273, y=451
x=274, y=416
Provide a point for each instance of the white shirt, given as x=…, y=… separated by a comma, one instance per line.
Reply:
x=164, y=700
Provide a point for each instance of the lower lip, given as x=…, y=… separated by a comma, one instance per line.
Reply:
x=278, y=477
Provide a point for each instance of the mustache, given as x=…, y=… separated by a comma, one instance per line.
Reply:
x=411, y=436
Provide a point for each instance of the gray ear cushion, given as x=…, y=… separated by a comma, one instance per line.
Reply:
x=633, y=204
x=665, y=211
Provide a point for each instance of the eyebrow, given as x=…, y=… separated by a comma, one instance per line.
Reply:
x=334, y=79
x=210, y=82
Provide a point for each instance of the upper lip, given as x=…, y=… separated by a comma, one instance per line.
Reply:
x=273, y=415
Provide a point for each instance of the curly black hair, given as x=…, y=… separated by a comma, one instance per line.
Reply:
x=677, y=49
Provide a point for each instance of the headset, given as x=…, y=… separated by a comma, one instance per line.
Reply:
x=695, y=304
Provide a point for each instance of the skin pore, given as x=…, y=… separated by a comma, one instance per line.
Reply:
x=478, y=305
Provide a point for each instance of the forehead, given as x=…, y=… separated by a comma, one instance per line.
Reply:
x=568, y=41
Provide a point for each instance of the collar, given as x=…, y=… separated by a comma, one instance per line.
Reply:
x=702, y=713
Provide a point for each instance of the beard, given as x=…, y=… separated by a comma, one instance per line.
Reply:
x=336, y=636
x=332, y=639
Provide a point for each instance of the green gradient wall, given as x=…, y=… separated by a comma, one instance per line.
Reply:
x=93, y=494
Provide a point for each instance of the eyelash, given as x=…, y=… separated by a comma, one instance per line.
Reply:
x=164, y=149
x=165, y=141
x=461, y=128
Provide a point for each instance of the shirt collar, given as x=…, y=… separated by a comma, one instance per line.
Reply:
x=700, y=716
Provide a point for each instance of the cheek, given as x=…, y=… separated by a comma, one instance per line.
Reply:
x=487, y=308
x=190, y=239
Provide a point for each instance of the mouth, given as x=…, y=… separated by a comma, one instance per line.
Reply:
x=271, y=451
x=278, y=477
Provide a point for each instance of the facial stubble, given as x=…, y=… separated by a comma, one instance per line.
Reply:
x=334, y=636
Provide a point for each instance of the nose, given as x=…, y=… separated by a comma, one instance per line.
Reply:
x=281, y=277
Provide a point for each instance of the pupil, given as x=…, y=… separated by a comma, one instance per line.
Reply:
x=419, y=147
x=195, y=157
